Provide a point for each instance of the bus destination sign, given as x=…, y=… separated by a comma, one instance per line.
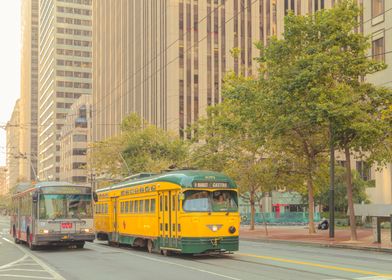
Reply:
x=217, y=185
x=66, y=190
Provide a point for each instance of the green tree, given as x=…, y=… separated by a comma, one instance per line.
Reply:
x=230, y=141
x=140, y=147
x=341, y=202
x=313, y=76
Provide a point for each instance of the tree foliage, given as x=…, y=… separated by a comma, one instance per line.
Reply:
x=140, y=147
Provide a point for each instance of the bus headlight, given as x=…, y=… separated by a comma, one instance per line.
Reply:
x=87, y=230
x=46, y=231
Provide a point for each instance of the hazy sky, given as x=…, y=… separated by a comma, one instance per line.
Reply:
x=9, y=64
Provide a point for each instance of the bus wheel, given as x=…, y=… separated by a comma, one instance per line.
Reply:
x=150, y=245
x=80, y=245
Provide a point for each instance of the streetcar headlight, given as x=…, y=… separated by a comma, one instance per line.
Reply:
x=45, y=231
x=87, y=230
x=214, y=228
x=232, y=230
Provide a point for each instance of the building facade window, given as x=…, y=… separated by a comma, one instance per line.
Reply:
x=378, y=49
x=377, y=8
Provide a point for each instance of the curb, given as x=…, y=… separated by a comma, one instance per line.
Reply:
x=319, y=245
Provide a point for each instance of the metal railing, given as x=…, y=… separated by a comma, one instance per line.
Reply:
x=280, y=218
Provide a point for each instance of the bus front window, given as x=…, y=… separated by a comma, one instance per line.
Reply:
x=63, y=206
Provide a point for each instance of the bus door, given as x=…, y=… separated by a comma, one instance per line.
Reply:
x=114, y=219
x=165, y=219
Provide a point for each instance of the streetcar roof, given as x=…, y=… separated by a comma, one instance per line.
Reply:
x=184, y=178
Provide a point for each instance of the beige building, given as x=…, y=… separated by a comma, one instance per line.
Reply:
x=75, y=136
x=64, y=73
x=14, y=159
x=3, y=185
x=167, y=62
x=378, y=25
x=29, y=89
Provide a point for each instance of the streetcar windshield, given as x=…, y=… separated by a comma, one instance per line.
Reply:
x=65, y=206
x=210, y=201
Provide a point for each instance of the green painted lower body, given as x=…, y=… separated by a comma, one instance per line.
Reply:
x=185, y=245
x=195, y=245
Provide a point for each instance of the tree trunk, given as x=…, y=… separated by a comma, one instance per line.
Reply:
x=349, y=187
x=252, y=210
x=311, y=205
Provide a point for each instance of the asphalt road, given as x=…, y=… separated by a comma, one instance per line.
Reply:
x=255, y=260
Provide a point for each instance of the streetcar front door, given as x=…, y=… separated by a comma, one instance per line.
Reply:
x=114, y=219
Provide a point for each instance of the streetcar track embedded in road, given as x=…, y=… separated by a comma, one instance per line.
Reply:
x=233, y=258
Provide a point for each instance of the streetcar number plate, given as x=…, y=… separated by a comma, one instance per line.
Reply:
x=66, y=225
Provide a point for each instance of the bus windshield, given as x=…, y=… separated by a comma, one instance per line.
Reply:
x=65, y=206
x=210, y=201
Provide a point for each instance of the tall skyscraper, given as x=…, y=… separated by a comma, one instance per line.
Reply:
x=165, y=59
x=14, y=159
x=75, y=136
x=29, y=90
x=64, y=73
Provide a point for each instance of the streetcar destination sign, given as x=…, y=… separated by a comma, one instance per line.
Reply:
x=211, y=185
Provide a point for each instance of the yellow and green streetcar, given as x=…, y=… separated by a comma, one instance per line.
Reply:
x=186, y=211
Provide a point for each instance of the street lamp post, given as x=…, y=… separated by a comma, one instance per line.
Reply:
x=332, y=184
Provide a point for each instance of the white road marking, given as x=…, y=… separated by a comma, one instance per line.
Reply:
x=23, y=269
x=177, y=264
x=13, y=263
x=25, y=276
x=54, y=274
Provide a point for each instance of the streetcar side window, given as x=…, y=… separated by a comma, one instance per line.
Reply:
x=131, y=206
x=146, y=206
x=126, y=206
x=141, y=206
x=136, y=206
x=152, y=208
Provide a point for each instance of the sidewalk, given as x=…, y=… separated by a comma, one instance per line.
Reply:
x=300, y=235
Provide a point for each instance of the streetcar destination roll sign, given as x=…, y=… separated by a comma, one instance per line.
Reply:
x=210, y=184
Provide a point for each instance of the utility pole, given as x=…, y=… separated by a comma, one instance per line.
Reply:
x=332, y=184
